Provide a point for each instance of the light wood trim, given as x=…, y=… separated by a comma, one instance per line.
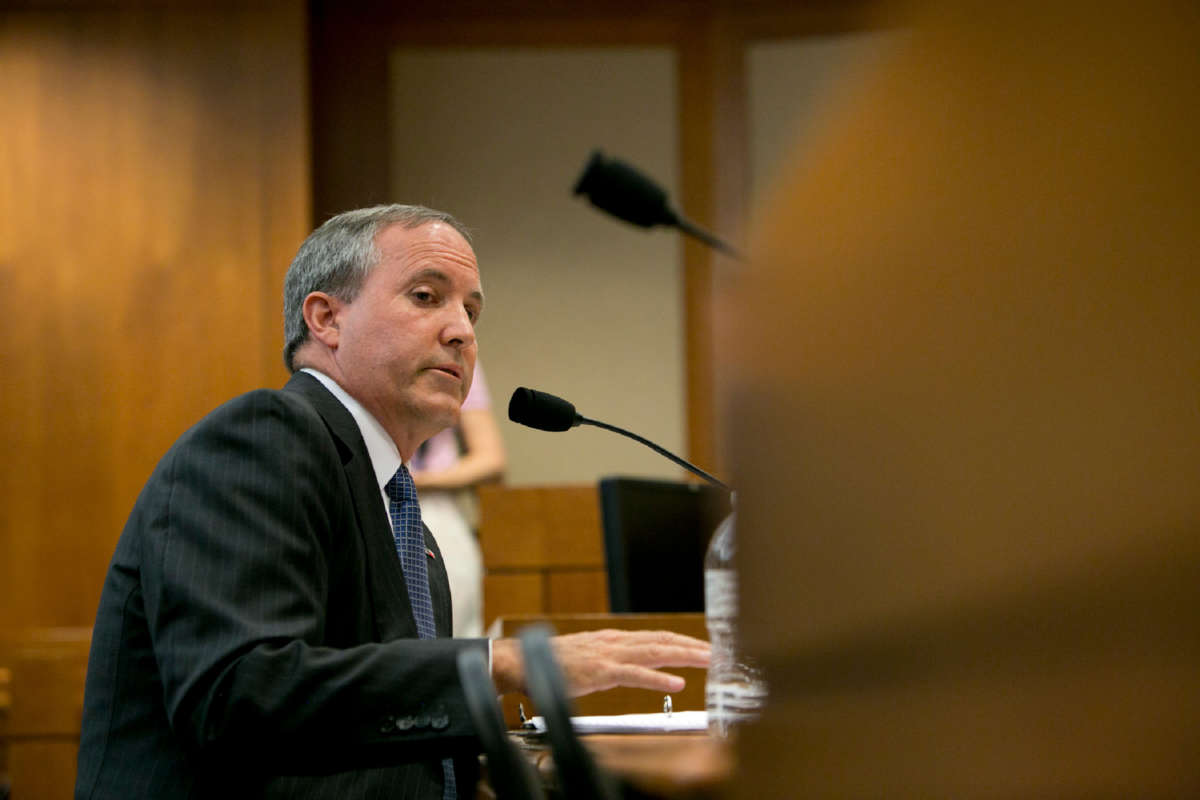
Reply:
x=712, y=100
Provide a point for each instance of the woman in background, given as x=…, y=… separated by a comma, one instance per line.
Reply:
x=446, y=470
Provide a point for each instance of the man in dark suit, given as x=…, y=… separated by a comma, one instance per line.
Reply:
x=258, y=634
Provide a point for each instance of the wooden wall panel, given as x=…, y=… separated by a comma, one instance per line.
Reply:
x=153, y=187
x=41, y=709
x=713, y=160
x=505, y=594
x=44, y=768
x=542, y=550
x=577, y=591
x=540, y=526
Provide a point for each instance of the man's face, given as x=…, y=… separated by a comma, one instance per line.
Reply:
x=406, y=344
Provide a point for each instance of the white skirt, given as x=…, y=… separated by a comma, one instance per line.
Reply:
x=462, y=557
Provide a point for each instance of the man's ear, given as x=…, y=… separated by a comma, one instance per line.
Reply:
x=320, y=315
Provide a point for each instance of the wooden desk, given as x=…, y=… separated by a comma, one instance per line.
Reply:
x=668, y=765
x=674, y=765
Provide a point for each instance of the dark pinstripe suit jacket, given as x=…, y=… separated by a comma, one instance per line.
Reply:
x=254, y=636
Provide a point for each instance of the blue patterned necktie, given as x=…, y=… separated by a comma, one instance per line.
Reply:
x=409, y=534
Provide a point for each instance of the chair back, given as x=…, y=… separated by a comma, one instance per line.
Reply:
x=656, y=533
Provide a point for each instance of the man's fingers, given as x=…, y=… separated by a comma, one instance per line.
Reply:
x=602, y=677
x=597, y=660
x=645, y=678
x=669, y=656
x=660, y=646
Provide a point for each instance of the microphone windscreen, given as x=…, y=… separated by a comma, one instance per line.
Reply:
x=540, y=410
x=624, y=192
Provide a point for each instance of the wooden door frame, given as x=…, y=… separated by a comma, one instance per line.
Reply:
x=351, y=46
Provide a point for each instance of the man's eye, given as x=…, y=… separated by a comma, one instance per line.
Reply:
x=423, y=296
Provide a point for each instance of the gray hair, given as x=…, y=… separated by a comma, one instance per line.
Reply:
x=337, y=257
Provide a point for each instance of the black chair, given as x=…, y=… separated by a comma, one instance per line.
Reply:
x=579, y=777
x=510, y=774
x=655, y=536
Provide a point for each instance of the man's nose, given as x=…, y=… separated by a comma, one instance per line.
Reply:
x=458, y=330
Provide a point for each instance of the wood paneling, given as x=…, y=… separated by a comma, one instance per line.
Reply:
x=542, y=550
x=577, y=591
x=153, y=187
x=508, y=593
x=540, y=526
x=41, y=714
x=44, y=769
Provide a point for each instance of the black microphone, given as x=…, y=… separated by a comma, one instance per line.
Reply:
x=623, y=191
x=545, y=412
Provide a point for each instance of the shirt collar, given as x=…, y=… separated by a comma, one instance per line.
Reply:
x=384, y=455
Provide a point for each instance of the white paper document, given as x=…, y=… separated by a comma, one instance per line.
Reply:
x=635, y=723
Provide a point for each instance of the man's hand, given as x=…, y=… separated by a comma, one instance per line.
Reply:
x=593, y=661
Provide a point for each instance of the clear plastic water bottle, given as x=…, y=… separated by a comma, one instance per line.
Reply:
x=735, y=691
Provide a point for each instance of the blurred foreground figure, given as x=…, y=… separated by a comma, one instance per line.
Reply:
x=966, y=393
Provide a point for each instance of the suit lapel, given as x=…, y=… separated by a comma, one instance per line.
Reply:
x=385, y=577
x=439, y=588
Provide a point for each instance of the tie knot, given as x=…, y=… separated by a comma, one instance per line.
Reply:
x=400, y=488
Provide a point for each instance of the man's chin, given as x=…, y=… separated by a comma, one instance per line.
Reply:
x=442, y=411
